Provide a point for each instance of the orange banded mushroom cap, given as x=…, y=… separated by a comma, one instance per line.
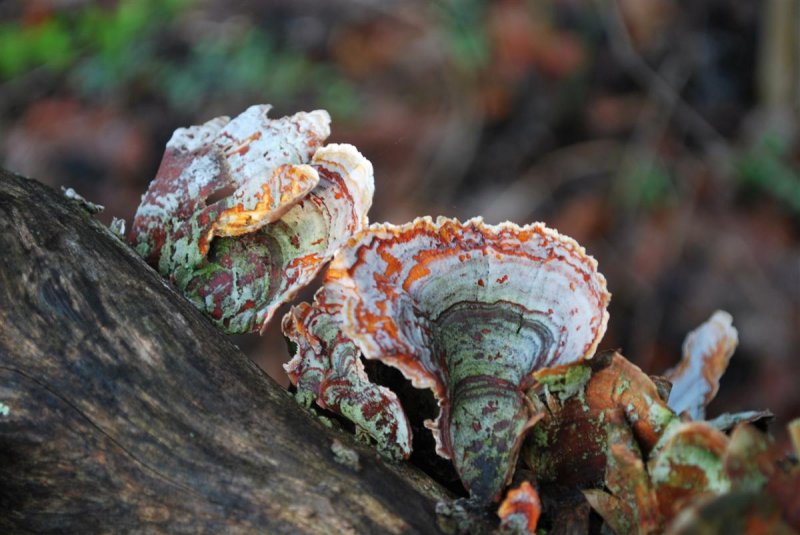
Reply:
x=470, y=311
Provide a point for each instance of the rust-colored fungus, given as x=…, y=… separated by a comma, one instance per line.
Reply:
x=286, y=206
x=256, y=161
x=327, y=368
x=697, y=477
x=471, y=311
x=569, y=445
x=631, y=505
x=519, y=512
x=688, y=464
x=608, y=424
x=706, y=353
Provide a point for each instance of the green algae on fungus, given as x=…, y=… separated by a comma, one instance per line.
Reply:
x=287, y=204
x=471, y=311
x=565, y=381
x=687, y=463
x=748, y=458
x=246, y=279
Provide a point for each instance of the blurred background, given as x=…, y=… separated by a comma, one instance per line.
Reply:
x=661, y=134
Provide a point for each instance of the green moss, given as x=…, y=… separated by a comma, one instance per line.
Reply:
x=691, y=455
x=539, y=437
x=622, y=386
x=660, y=416
x=568, y=383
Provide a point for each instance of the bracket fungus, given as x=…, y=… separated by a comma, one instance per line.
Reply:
x=570, y=444
x=748, y=480
x=498, y=321
x=327, y=368
x=287, y=204
x=706, y=353
x=471, y=311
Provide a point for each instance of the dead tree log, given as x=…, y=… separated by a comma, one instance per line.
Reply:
x=123, y=409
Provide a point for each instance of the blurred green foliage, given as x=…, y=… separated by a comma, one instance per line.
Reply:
x=250, y=62
x=766, y=167
x=105, y=50
x=646, y=184
x=58, y=42
x=49, y=44
x=464, y=23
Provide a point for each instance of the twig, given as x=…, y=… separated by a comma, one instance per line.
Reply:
x=622, y=47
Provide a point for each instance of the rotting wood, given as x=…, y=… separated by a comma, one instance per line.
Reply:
x=124, y=409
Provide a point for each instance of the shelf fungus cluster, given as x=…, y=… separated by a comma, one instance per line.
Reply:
x=501, y=323
x=469, y=311
x=699, y=479
x=245, y=212
x=642, y=453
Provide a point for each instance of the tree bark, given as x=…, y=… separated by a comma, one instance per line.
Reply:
x=123, y=409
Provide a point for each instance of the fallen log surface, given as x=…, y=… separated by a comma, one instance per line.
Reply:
x=123, y=409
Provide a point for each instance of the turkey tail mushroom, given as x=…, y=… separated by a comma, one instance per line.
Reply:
x=254, y=163
x=287, y=205
x=471, y=311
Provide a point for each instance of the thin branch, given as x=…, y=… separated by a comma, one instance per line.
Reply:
x=714, y=144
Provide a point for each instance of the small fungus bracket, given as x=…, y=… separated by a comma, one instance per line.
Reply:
x=706, y=353
x=519, y=512
x=327, y=368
